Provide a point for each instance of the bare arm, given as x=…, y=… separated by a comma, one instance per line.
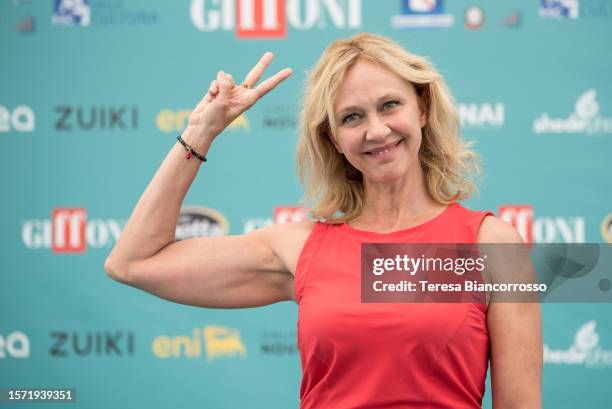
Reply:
x=206, y=271
x=515, y=331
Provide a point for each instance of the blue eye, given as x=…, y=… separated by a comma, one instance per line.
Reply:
x=347, y=118
x=390, y=104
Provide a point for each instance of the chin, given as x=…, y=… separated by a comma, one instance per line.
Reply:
x=387, y=177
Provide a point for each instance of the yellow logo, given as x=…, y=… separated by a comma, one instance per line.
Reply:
x=606, y=228
x=175, y=121
x=219, y=342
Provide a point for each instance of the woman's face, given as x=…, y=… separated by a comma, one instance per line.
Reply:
x=378, y=122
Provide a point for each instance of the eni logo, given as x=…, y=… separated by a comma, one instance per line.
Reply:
x=218, y=341
x=222, y=341
x=175, y=121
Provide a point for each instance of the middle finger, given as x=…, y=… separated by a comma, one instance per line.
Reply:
x=255, y=73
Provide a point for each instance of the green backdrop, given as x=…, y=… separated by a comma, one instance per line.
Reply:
x=92, y=97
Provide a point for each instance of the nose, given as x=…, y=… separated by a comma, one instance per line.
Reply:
x=377, y=129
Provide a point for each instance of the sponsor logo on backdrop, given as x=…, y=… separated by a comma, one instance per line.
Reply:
x=276, y=342
x=84, y=13
x=197, y=221
x=271, y=18
x=103, y=343
x=573, y=9
x=280, y=214
x=513, y=19
x=69, y=118
x=543, y=229
x=595, y=8
x=71, y=13
x=606, y=228
x=213, y=340
x=422, y=14
x=69, y=231
x=584, y=351
x=586, y=118
x=284, y=214
x=484, y=115
x=559, y=9
x=20, y=119
x=14, y=345
x=175, y=121
x=256, y=223
x=473, y=18
x=280, y=117
x=26, y=25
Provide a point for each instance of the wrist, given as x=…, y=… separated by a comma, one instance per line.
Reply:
x=198, y=137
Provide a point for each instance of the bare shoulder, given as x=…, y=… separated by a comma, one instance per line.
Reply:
x=495, y=230
x=288, y=239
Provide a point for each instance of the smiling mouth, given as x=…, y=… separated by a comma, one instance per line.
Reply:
x=384, y=149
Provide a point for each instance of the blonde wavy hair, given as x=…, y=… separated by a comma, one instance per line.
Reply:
x=331, y=184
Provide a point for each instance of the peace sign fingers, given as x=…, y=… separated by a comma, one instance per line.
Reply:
x=255, y=74
x=269, y=84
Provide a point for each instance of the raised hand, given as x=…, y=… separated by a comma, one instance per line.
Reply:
x=225, y=100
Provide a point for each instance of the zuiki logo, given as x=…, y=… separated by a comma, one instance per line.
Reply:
x=195, y=221
x=69, y=231
x=559, y=9
x=68, y=344
x=219, y=342
x=175, y=121
x=482, y=115
x=585, y=118
x=270, y=18
x=584, y=351
x=20, y=119
x=96, y=118
x=422, y=14
x=543, y=229
x=14, y=345
x=71, y=13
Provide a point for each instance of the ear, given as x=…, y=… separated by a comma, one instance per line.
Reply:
x=333, y=141
x=422, y=117
x=423, y=102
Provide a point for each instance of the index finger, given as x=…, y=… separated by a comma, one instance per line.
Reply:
x=269, y=84
x=255, y=73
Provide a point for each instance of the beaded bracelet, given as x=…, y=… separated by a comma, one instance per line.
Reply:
x=190, y=151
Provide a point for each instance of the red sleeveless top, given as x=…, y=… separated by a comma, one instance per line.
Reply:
x=391, y=355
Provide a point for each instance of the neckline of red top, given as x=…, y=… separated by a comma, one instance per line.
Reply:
x=423, y=225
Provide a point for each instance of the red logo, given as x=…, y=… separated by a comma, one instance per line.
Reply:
x=521, y=217
x=261, y=19
x=68, y=230
x=284, y=214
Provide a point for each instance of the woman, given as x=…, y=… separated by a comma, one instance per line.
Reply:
x=381, y=158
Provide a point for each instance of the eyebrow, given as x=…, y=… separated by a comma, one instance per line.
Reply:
x=354, y=107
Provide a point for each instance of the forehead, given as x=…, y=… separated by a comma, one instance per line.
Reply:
x=365, y=81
